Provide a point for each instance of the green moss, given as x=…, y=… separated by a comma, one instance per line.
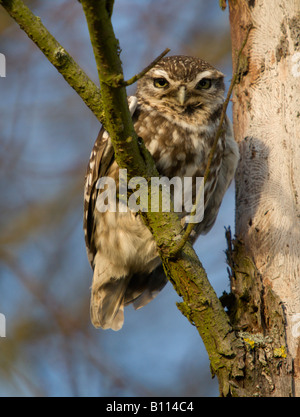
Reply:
x=280, y=352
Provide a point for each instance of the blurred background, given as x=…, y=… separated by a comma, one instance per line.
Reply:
x=46, y=136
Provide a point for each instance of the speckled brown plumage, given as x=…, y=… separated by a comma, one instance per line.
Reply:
x=177, y=121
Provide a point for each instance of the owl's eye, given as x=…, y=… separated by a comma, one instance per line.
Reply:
x=205, y=84
x=160, y=82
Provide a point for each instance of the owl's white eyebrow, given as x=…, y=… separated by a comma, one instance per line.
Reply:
x=160, y=73
x=202, y=75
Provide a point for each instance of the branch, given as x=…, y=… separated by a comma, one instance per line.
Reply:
x=117, y=116
x=56, y=54
x=220, y=130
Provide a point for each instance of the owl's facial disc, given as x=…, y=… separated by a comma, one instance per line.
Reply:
x=186, y=92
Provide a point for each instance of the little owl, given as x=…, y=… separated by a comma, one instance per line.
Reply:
x=176, y=111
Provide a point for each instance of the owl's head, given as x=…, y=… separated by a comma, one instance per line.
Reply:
x=183, y=84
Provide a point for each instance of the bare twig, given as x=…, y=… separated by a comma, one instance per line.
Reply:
x=118, y=80
x=145, y=70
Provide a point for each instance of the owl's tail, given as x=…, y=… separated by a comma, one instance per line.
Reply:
x=110, y=294
x=107, y=300
x=107, y=305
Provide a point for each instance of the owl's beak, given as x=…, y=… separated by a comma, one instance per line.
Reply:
x=181, y=95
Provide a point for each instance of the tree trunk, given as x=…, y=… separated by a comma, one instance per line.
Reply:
x=264, y=258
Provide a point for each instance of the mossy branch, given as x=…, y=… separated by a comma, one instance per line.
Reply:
x=200, y=303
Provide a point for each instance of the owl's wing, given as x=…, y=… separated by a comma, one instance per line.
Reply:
x=226, y=175
x=102, y=157
x=112, y=287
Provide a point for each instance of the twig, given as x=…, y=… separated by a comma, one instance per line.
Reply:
x=145, y=70
x=56, y=54
x=116, y=81
x=222, y=4
x=175, y=250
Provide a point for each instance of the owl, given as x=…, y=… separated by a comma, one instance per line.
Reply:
x=176, y=111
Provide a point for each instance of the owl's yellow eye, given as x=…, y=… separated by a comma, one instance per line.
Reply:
x=160, y=82
x=204, y=84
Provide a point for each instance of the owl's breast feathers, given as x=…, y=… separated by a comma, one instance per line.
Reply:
x=179, y=147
